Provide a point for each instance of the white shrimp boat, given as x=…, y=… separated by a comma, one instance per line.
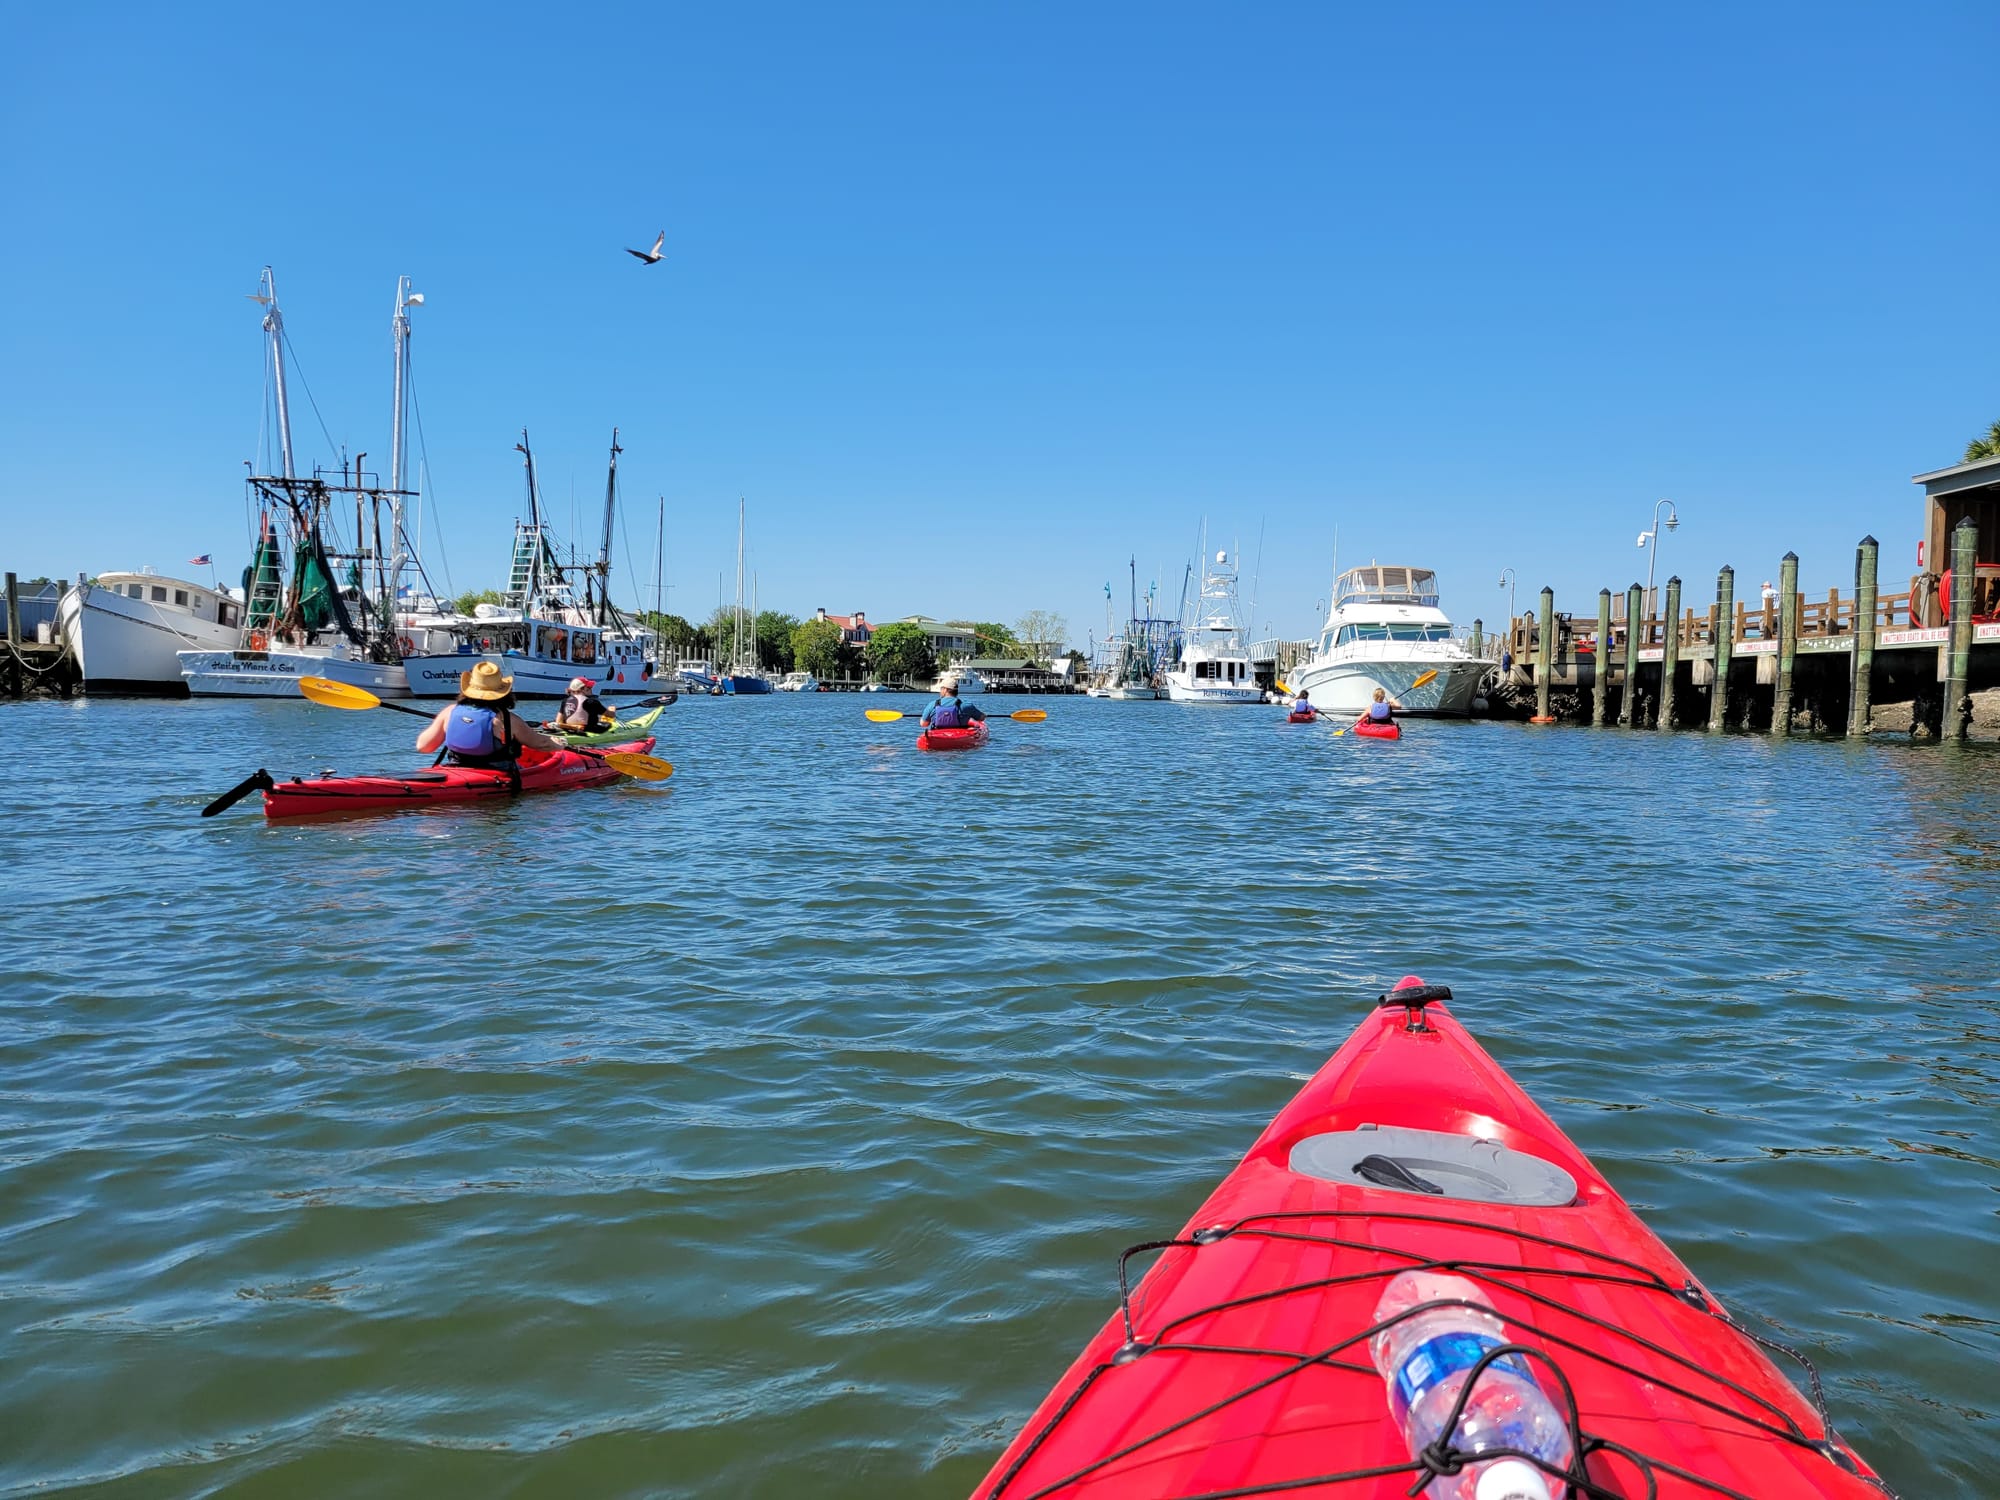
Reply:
x=1214, y=667
x=1386, y=630
x=126, y=629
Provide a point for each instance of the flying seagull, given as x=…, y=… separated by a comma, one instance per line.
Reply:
x=649, y=256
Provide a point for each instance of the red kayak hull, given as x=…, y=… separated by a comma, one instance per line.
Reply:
x=549, y=771
x=970, y=737
x=1369, y=729
x=1300, y=718
x=1245, y=1367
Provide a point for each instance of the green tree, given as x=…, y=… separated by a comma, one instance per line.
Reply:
x=816, y=648
x=465, y=604
x=774, y=640
x=1042, y=633
x=720, y=634
x=1986, y=445
x=990, y=638
x=901, y=653
x=675, y=633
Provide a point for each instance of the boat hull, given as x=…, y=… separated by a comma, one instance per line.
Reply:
x=548, y=771
x=1346, y=686
x=437, y=676
x=1179, y=691
x=127, y=645
x=276, y=674
x=1239, y=1364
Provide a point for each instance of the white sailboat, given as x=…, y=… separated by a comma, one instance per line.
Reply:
x=1214, y=667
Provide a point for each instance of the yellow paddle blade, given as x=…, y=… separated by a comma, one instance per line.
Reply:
x=1338, y=733
x=641, y=767
x=883, y=715
x=337, y=694
x=1279, y=683
x=1029, y=715
x=1425, y=678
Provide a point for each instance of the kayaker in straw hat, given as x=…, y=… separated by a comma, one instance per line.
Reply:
x=582, y=710
x=481, y=728
x=948, y=712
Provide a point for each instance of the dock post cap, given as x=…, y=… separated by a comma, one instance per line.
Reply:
x=1789, y=557
x=1869, y=541
x=1968, y=524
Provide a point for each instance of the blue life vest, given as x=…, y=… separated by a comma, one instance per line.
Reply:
x=946, y=713
x=1378, y=710
x=469, y=730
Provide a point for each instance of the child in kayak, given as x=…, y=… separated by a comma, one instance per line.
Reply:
x=1381, y=709
x=481, y=728
x=948, y=712
x=582, y=711
x=1302, y=705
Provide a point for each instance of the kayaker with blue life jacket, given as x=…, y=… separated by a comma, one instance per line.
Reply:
x=949, y=712
x=582, y=711
x=1381, y=708
x=481, y=728
x=1303, y=706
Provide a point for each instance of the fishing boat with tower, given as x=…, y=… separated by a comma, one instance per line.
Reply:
x=1214, y=665
x=314, y=623
x=555, y=621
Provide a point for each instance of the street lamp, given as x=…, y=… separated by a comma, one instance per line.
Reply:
x=1507, y=582
x=1653, y=536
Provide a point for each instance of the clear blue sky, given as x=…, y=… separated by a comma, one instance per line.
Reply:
x=973, y=302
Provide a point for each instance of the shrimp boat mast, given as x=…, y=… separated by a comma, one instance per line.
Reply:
x=313, y=626
x=1131, y=674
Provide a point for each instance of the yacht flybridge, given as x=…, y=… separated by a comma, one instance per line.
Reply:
x=1386, y=631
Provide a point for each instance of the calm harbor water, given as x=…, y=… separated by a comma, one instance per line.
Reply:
x=774, y=1131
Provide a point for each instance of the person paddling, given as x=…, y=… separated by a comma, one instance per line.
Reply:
x=948, y=712
x=1302, y=705
x=481, y=728
x=582, y=711
x=1381, y=709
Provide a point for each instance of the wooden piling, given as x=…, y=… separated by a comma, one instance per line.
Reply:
x=1634, y=604
x=1600, y=661
x=1725, y=640
x=1861, y=666
x=1670, y=654
x=1545, y=648
x=1788, y=642
x=1478, y=637
x=13, y=612
x=1957, y=703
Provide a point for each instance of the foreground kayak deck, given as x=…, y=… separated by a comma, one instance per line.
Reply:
x=970, y=737
x=550, y=771
x=1240, y=1366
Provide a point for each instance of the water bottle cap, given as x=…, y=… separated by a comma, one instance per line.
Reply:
x=1511, y=1479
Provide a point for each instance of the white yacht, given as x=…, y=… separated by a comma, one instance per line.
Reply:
x=969, y=681
x=1386, y=631
x=125, y=629
x=798, y=682
x=1214, y=667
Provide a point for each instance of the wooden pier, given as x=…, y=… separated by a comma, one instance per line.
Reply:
x=28, y=666
x=1925, y=660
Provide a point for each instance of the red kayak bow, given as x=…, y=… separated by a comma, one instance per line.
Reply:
x=1240, y=1366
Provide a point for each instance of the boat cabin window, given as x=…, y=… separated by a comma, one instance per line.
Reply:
x=160, y=593
x=180, y=596
x=1417, y=632
x=136, y=590
x=225, y=613
x=555, y=643
x=583, y=648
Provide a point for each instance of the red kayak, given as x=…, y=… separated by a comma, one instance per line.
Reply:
x=968, y=737
x=1297, y=718
x=541, y=771
x=1240, y=1364
x=1379, y=729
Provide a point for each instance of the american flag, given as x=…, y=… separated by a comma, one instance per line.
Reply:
x=199, y=562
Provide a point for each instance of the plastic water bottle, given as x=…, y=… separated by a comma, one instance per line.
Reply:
x=1425, y=1359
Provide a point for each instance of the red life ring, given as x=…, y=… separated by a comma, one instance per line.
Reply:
x=406, y=646
x=259, y=641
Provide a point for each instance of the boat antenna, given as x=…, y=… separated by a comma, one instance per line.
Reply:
x=604, y=551
x=274, y=326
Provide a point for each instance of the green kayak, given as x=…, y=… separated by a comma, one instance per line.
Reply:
x=638, y=726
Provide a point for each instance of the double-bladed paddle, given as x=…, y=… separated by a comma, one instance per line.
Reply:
x=890, y=715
